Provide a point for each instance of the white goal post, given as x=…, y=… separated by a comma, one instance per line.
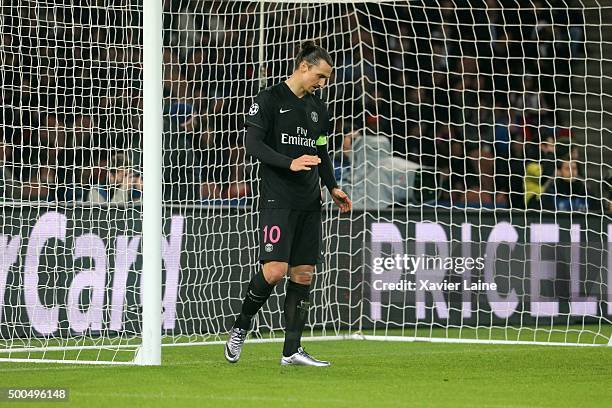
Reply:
x=472, y=135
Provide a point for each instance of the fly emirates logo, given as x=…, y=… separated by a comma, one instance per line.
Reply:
x=300, y=140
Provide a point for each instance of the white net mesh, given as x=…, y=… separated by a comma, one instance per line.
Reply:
x=461, y=123
x=71, y=152
x=457, y=125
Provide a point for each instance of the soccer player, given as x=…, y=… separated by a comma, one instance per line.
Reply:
x=287, y=127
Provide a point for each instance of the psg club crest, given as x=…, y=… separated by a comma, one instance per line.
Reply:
x=254, y=109
x=314, y=117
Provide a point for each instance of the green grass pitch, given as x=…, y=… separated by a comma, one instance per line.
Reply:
x=363, y=374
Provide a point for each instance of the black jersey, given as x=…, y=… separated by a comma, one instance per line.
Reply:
x=293, y=127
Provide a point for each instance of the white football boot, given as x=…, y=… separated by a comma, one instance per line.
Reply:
x=233, y=347
x=302, y=358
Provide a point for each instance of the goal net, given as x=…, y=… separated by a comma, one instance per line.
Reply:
x=472, y=136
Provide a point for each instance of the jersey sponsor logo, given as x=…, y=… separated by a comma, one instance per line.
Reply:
x=314, y=116
x=284, y=110
x=286, y=138
x=297, y=140
x=253, y=109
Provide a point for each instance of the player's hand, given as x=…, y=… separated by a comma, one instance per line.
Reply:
x=342, y=200
x=305, y=162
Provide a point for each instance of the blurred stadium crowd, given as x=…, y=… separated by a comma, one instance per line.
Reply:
x=469, y=90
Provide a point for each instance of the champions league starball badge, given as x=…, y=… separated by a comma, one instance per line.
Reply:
x=314, y=117
x=254, y=109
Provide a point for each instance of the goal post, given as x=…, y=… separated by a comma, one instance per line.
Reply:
x=472, y=136
x=151, y=293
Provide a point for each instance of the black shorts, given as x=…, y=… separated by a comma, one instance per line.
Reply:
x=292, y=236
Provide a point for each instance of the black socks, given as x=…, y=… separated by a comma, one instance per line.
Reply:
x=258, y=293
x=296, y=309
x=296, y=313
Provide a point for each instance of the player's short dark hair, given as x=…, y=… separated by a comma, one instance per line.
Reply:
x=312, y=54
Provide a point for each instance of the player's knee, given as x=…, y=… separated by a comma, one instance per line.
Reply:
x=274, y=272
x=303, y=279
x=303, y=276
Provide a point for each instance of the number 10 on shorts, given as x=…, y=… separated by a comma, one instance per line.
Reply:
x=271, y=234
